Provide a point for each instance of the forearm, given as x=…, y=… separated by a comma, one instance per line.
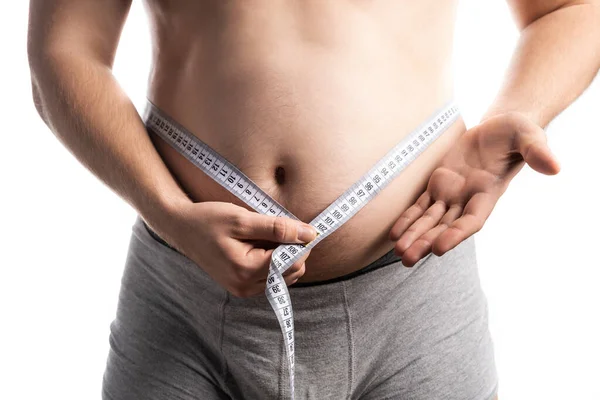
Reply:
x=83, y=105
x=556, y=58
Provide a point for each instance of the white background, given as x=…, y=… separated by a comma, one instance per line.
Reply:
x=64, y=234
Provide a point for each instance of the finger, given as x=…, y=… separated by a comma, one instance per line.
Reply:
x=252, y=225
x=423, y=245
x=292, y=278
x=294, y=268
x=454, y=212
x=298, y=264
x=530, y=141
x=293, y=273
x=259, y=261
x=532, y=144
x=408, y=217
x=428, y=220
x=256, y=263
x=474, y=216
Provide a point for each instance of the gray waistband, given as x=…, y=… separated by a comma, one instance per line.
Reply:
x=388, y=258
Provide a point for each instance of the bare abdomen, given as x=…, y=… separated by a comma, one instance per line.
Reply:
x=305, y=121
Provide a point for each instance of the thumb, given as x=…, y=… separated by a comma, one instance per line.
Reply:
x=276, y=229
x=531, y=142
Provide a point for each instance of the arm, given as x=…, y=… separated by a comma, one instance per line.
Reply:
x=71, y=49
x=556, y=58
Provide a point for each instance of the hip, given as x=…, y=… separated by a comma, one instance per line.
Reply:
x=392, y=332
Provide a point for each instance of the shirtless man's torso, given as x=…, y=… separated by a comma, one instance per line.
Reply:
x=300, y=92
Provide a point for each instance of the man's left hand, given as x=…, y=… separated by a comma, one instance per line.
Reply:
x=465, y=186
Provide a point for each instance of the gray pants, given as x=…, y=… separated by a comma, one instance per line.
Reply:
x=388, y=333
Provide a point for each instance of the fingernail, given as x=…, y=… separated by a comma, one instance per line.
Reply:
x=306, y=233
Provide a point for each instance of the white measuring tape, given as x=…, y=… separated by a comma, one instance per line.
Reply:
x=340, y=211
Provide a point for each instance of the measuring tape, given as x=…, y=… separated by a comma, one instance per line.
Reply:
x=330, y=219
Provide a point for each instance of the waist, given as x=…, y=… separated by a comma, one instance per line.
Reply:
x=305, y=133
x=387, y=259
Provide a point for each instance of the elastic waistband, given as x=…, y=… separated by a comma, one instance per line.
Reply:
x=387, y=259
x=155, y=236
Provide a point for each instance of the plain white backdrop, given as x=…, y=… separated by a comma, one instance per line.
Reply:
x=64, y=234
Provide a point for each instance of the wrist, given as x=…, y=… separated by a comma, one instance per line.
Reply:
x=163, y=209
x=496, y=111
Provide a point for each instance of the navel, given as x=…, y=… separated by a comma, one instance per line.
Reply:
x=280, y=175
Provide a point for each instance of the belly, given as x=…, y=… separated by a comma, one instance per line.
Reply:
x=305, y=119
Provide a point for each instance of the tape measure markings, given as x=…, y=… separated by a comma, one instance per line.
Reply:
x=204, y=157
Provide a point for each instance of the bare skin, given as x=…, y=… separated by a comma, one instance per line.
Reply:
x=318, y=90
x=305, y=88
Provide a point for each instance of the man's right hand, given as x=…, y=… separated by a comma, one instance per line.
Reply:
x=222, y=239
